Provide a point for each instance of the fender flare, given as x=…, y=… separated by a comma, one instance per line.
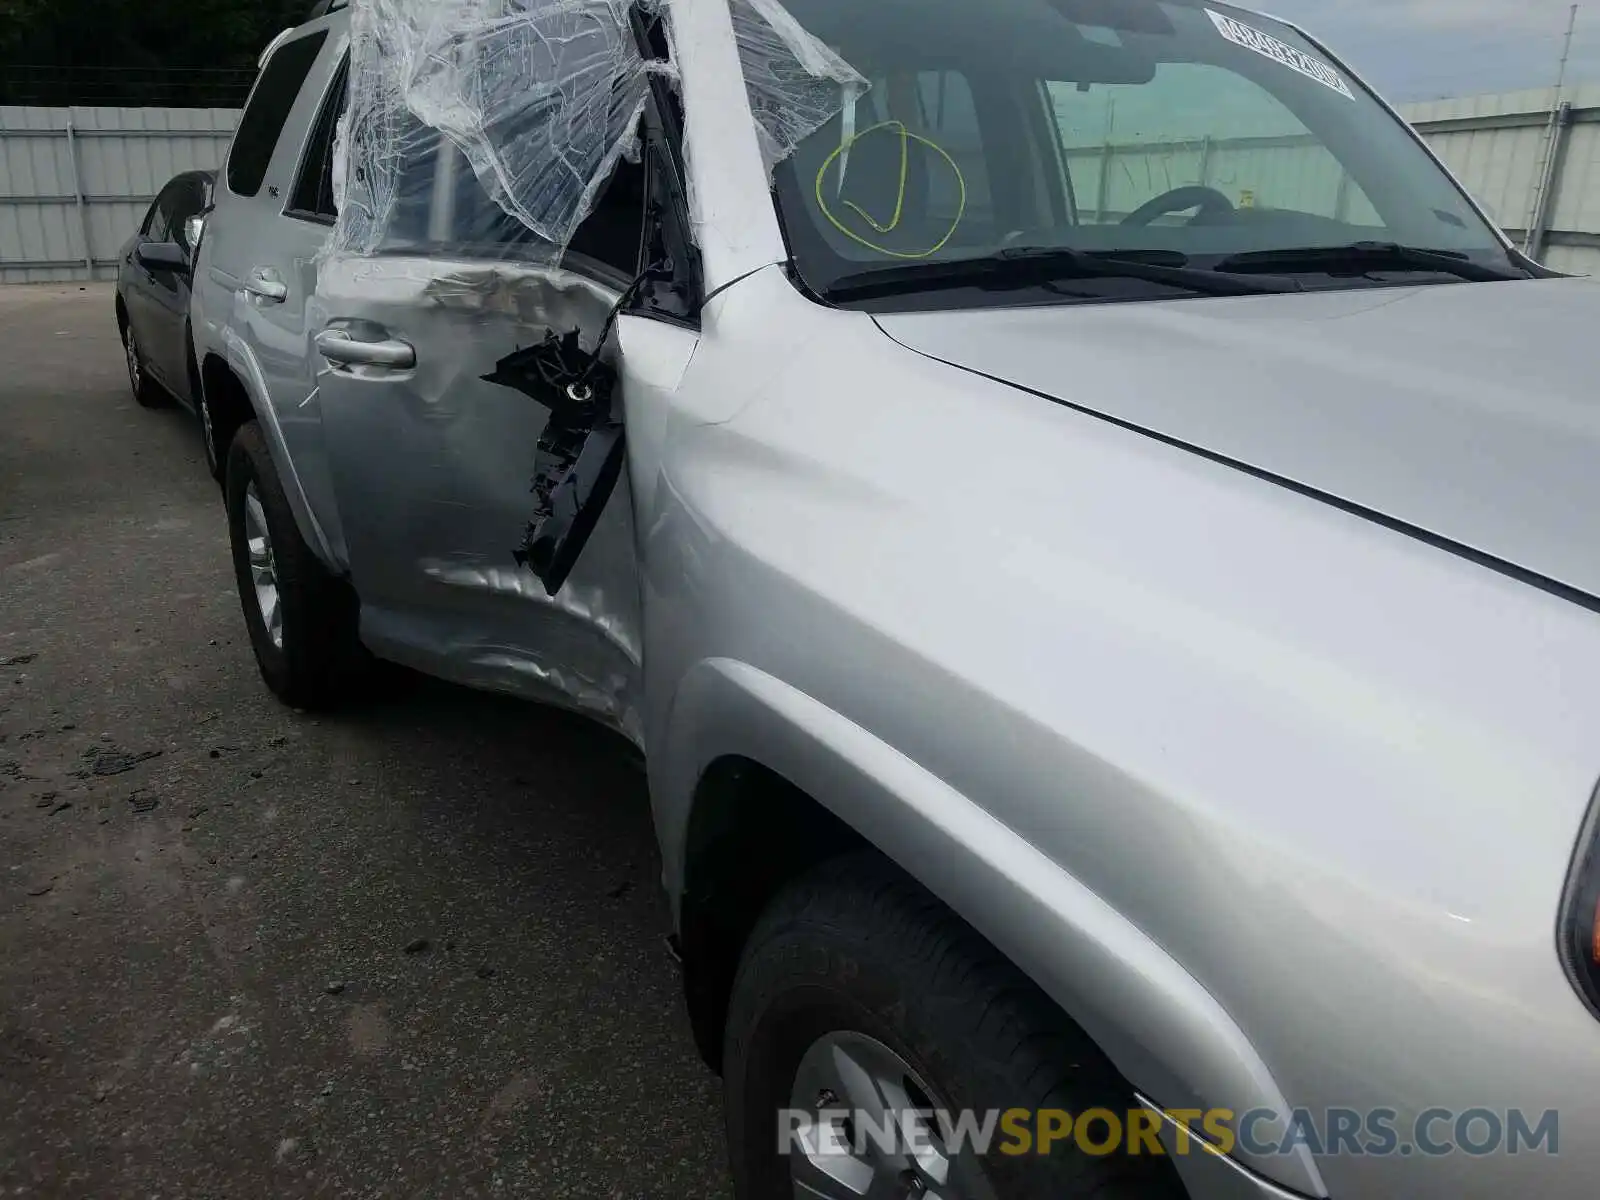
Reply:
x=241, y=360
x=1159, y=1025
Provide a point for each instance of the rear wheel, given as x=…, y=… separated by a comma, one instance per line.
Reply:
x=144, y=388
x=860, y=993
x=301, y=619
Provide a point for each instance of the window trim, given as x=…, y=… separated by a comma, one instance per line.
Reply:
x=338, y=84
x=666, y=169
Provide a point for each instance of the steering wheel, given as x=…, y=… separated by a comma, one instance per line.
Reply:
x=1209, y=201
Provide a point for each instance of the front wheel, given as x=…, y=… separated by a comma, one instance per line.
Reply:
x=302, y=620
x=868, y=1022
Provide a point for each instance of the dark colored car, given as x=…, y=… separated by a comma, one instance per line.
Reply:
x=153, y=284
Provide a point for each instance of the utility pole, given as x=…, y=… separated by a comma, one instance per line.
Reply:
x=1539, y=217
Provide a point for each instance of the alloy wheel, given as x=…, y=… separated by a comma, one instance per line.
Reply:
x=263, y=568
x=130, y=346
x=891, y=1146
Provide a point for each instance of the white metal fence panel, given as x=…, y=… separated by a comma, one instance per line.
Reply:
x=1110, y=181
x=75, y=182
x=1500, y=147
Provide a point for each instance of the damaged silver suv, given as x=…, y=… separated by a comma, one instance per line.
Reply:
x=1092, y=528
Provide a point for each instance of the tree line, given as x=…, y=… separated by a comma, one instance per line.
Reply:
x=184, y=53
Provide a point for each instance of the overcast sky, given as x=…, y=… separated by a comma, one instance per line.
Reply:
x=1425, y=49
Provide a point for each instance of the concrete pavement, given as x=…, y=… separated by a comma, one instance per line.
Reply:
x=413, y=949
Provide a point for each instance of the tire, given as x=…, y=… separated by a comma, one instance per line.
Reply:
x=310, y=656
x=145, y=390
x=859, y=954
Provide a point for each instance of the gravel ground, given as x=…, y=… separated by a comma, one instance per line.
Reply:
x=415, y=949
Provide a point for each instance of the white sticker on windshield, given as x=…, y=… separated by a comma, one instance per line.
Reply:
x=1251, y=38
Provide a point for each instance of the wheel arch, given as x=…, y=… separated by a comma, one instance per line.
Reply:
x=750, y=833
x=227, y=400
x=234, y=391
x=747, y=757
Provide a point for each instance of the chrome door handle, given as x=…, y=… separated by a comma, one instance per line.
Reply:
x=264, y=284
x=336, y=345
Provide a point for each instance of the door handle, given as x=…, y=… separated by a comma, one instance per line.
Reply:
x=336, y=345
x=264, y=284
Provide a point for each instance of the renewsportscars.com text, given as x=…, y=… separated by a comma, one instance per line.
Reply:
x=1433, y=1132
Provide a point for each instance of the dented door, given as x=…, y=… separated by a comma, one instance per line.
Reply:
x=491, y=200
x=435, y=464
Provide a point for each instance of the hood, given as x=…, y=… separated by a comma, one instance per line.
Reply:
x=1468, y=412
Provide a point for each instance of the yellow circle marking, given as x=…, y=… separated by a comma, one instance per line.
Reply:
x=906, y=138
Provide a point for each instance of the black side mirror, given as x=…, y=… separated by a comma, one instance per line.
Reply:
x=162, y=256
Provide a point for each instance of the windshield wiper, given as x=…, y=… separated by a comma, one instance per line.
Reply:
x=1015, y=268
x=1358, y=258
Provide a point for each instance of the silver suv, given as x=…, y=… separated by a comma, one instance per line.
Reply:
x=1092, y=528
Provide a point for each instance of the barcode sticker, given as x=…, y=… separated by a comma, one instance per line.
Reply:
x=1252, y=38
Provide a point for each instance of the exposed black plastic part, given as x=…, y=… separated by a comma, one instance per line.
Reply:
x=1577, y=938
x=582, y=448
x=580, y=451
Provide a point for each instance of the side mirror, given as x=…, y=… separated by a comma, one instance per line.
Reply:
x=162, y=256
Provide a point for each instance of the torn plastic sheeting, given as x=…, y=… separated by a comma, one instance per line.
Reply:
x=541, y=97
x=795, y=82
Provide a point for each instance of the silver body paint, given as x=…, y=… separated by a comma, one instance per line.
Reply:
x=431, y=470
x=1274, y=798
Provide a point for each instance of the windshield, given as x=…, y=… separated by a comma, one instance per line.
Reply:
x=1166, y=130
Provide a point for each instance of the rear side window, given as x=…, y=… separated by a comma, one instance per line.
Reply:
x=263, y=118
x=166, y=212
x=312, y=198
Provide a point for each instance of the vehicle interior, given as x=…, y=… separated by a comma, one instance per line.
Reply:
x=1136, y=126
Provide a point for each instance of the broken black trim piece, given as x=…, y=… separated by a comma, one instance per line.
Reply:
x=582, y=447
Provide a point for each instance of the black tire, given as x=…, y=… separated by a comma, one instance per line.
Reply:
x=320, y=657
x=858, y=946
x=145, y=390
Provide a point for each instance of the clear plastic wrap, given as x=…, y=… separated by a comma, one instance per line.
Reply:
x=795, y=82
x=537, y=99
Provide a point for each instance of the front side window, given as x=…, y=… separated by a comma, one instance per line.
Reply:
x=165, y=215
x=262, y=121
x=439, y=207
x=1187, y=136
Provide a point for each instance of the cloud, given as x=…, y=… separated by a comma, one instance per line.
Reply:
x=1532, y=15
x=1415, y=49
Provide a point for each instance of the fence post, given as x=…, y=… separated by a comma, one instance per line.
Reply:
x=77, y=195
x=1105, y=182
x=1544, y=201
x=1341, y=198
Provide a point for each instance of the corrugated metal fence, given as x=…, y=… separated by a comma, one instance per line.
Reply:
x=1533, y=167
x=75, y=182
x=1530, y=171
